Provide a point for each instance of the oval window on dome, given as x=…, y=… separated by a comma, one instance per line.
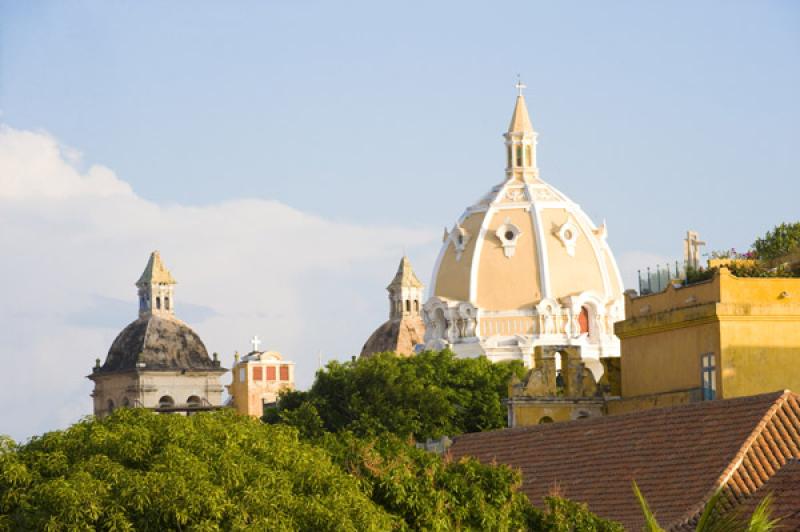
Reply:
x=509, y=235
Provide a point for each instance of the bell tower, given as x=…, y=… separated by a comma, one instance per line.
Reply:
x=521, y=142
x=405, y=292
x=156, y=289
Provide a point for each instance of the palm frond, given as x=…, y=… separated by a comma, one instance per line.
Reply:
x=650, y=522
x=761, y=519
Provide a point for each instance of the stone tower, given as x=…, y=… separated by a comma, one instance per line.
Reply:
x=405, y=292
x=156, y=289
x=405, y=329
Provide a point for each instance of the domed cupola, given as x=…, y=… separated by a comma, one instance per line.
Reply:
x=524, y=266
x=157, y=361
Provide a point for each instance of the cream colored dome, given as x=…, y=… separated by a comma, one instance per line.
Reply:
x=520, y=244
x=524, y=266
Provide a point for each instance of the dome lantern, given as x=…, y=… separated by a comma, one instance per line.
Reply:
x=521, y=142
x=156, y=289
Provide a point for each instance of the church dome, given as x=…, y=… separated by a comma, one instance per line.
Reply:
x=520, y=244
x=395, y=336
x=156, y=343
x=405, y=329
x=524, y=266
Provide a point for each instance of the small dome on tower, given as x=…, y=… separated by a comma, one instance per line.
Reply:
x=405, y=328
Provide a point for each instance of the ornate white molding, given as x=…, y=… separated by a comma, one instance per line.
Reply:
x=508, y=234
x=568, y=235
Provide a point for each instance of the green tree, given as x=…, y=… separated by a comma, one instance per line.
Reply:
x=136, y=470
x=779, y=241
x=426, y=396
x=427, y=492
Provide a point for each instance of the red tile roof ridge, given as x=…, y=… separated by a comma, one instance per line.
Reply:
x=627, y=416
x=733, y=465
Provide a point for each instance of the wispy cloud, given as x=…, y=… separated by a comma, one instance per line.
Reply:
x=74, y=241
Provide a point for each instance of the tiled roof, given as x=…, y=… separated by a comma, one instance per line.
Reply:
x=678, y=456
x=785, y=490
x=398, y=336
x=155, y=343
x=405, y=276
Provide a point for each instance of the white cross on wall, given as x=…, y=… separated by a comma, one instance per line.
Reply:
x=256, y=342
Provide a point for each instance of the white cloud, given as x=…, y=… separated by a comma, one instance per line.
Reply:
x=73, y=242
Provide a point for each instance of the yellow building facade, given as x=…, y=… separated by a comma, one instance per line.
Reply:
x=257, y=379
x=722, y=338
x=717, y=339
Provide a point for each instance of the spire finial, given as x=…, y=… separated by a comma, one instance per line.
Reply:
x=520, y=85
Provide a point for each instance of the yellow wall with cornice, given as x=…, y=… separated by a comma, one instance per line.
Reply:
x=752, y=325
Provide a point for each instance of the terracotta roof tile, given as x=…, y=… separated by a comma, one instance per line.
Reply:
x=678, y=456
x=785, y=489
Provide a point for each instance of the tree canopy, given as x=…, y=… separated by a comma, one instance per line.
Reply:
x=425, y=396
x=779, y=241
x=137, y=470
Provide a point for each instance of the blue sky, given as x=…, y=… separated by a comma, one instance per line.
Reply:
x=387, y=117
x=682, y=107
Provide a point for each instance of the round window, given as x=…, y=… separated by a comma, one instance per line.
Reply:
x=509, y=235
x=567, y=235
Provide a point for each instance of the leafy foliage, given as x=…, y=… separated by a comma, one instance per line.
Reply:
x=740, y=269
x=428, y=493
x=781, y=240
x=425, y=396
x=562, y=515
x=136, y=470
x=697, y=275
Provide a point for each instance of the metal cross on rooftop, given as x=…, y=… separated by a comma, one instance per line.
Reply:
x=256, y=342
x=520, y=86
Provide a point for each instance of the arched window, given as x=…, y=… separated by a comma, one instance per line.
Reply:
x=166, y=302
x=158, y=303
x=510, y=162
x=126, y=402
x=519, y=156
x=110, y=406
x=528, y=154
x=166, y=402
x=416, y=305
x=583, y=320
x=194, y=402
x=408, y=305
x=545, y=419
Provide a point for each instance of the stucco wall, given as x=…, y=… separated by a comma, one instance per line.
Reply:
x=506, y=283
